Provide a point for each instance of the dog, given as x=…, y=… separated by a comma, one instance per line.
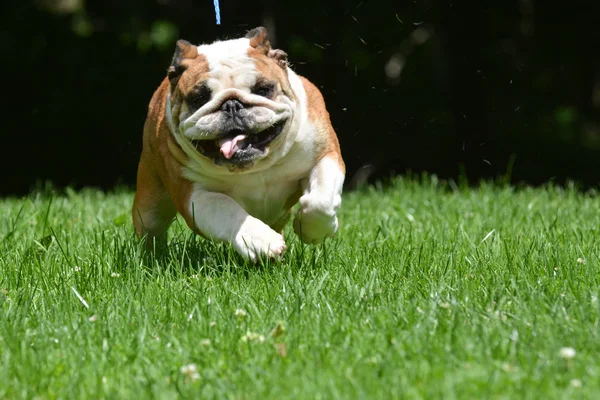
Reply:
x=233, y=140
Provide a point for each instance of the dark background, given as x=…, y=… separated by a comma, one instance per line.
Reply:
x=476, y=89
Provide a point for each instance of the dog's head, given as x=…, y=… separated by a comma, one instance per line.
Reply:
x=230, y=101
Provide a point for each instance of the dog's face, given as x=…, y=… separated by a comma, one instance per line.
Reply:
x=231, y=102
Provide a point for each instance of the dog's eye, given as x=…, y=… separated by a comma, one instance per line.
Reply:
x=264, y=89
x=199, y=96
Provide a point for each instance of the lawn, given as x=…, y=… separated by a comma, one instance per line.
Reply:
x=429, y=291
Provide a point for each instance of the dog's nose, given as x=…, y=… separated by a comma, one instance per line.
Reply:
x=232, y=106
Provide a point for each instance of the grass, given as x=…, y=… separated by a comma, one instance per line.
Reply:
x=426, y=292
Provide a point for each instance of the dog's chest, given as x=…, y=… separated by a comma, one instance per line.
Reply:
x=265, y=200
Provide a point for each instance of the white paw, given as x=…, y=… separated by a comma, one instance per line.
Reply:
x=256, y=240
x=316, y=220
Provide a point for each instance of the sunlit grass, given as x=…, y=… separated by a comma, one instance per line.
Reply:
x=426, y=292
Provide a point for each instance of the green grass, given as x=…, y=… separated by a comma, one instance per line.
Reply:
x=426, y=292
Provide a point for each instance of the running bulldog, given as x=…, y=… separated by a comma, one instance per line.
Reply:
x=233, y=140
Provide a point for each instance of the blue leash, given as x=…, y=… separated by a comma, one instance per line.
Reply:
x=218, y=12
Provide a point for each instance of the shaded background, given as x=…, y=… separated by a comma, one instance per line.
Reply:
x=476, y=89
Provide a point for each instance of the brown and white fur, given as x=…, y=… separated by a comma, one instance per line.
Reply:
x=241, y=194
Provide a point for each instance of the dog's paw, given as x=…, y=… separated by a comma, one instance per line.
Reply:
x=316, y=219
x=257, y=240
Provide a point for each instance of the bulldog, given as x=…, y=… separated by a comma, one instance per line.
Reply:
x=233, y=140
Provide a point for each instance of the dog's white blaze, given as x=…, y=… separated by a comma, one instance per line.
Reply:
x=229, y=65
x=232, y=49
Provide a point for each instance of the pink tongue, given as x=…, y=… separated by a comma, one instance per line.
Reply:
x=229, y=146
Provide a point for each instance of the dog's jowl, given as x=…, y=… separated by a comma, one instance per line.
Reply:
x=232, y=141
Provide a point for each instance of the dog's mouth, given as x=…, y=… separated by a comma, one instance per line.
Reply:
x=236, y=145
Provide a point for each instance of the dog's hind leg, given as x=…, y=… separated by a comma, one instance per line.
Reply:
x=153, y=210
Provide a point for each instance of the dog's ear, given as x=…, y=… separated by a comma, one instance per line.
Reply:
x=280, y=57
x=184, y=50
x=258, y=39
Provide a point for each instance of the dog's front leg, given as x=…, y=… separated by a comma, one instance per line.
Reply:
x=316, y=218
x=219, y=217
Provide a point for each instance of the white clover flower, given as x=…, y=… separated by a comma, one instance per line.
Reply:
x=567, y=352
x=190, y=371
x=253, y=337
x=576, y=383
x=240, y=313
x=581, y=260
